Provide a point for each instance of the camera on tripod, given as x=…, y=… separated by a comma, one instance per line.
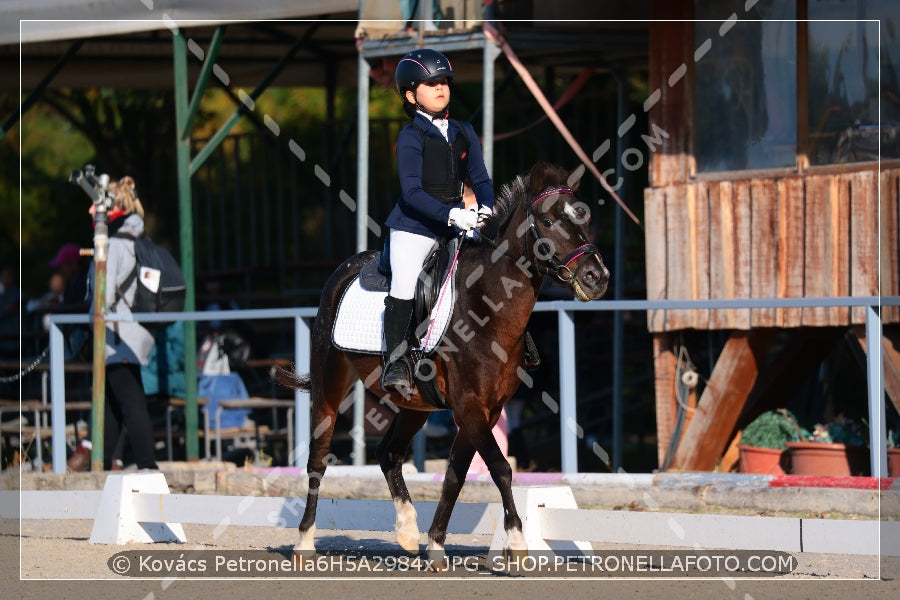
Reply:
x=95, y=186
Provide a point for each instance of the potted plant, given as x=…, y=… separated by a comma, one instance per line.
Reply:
x=763, y=443
x=837, y=448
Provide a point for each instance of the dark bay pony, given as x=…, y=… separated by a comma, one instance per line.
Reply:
x=538, y=230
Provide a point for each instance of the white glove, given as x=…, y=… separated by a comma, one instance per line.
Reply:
x=464, y=219
x=484, y=213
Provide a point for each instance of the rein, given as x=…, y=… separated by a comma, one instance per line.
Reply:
x=556, y=267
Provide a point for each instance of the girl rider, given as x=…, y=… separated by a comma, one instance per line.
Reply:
x=435, y=155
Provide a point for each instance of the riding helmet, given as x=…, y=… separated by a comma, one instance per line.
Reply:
x=421, y=65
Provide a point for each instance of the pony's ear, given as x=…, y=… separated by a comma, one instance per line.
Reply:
x=537, y=175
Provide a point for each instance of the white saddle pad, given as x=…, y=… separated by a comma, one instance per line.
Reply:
x=359, y=323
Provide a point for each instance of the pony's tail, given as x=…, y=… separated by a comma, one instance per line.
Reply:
x=290, y=378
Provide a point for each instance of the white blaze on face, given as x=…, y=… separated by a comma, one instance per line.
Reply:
x=578, y=212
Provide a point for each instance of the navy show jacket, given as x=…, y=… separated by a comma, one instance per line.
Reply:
x=418, y=212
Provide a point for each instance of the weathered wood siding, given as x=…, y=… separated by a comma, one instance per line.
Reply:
x=786, y=237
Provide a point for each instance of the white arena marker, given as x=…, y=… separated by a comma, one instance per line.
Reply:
x=530, y=501
x=116, y=521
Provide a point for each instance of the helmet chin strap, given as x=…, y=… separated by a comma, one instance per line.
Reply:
x=433, y=114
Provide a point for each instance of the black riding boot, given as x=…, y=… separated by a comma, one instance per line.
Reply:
x=397, y=316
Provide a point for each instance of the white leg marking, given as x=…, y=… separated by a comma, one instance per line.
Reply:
x=516, y=540
x=435, y=553
x=407, y=528
x=307, y=541
x=433, y=547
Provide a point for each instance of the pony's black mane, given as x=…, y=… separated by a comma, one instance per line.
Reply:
x=508, y=199
x=512, y=194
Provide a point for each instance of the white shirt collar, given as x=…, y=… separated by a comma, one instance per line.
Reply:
x=443, y=125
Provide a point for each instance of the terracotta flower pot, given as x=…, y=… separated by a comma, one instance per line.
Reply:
x=766, y=461
x=837, y=460
x=893, y=462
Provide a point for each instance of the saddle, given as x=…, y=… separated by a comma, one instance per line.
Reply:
x=364, y=297
x=428, y=287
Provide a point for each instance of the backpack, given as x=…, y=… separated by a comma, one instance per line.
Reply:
x=161, y=286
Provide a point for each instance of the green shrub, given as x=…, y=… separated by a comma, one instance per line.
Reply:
x=771, y=429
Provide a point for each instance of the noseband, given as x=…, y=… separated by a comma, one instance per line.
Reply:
x=555, y=266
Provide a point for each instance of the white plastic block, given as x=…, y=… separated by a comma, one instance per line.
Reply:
x=529, y=502
x=117, y=522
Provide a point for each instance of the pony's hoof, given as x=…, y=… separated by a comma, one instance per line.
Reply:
x=436, y=558
x=409, y=542
x=436, y=566
x=515, y=555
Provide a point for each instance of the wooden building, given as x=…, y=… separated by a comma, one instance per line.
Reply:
x=768, y=183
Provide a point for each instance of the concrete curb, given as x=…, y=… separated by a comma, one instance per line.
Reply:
x=693, y=492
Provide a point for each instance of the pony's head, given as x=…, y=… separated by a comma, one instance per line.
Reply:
x=557, y=233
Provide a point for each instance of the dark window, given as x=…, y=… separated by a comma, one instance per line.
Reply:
x=741, y=84
x=843, y=81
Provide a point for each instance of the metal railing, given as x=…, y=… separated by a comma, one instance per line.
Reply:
x=569, y=430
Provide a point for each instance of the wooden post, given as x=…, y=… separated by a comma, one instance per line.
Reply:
x=891, y=360
x=664, y=384
x=710, y=429
x=98, y=407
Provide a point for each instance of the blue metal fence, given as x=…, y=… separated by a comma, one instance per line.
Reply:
x=568, y=422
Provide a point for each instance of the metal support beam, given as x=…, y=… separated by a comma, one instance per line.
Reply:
x=362, y=233
x=568, y=421
x=208, y=62
x=247, y=104
x=302, y=431
x=186, y=230
x=58, y=398
x=489, y=58
x=874, y=368
x=618, y=284
x=29, y=101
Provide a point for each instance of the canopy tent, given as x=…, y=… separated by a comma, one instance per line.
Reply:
x=125, y=44
x=29, y=21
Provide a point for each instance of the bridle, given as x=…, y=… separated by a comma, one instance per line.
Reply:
x=554, y=266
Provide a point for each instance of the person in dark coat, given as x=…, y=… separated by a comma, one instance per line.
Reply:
x=128, y=343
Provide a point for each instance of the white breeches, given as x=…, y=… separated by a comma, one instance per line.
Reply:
x=408, y=253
